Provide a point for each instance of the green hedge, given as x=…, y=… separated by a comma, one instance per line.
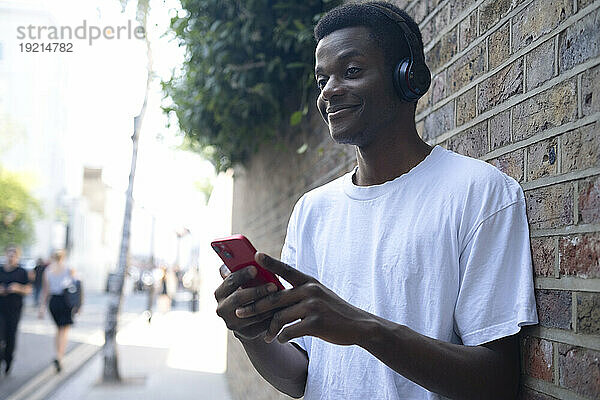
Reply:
x=248, y=73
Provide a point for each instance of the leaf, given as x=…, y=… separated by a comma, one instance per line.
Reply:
x=295, y=118
x=302, y=149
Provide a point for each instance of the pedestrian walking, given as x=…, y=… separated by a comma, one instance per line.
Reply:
x=38, y=273
x=57, y=284
x=14, y=285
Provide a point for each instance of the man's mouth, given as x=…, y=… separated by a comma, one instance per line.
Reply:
x=341, y=110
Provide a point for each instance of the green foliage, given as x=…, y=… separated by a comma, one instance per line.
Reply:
x=205, y=186
x=18, y=210
x=248, y=73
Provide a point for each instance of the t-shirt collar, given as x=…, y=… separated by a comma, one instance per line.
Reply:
x=370, y=192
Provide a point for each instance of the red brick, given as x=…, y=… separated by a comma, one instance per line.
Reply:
x=580, y=148
x=472, y=142
x=537, y=358
x=579, y=255
x=542, y=159
x=500, y=130
x=588, y=313
x=554, y=308
x=579, y=370
x=550, y=206
x=589, y=200
x=543, y=255
x=551, y=108
x=511, y=164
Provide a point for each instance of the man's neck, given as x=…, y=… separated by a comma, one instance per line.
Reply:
x=388, y=159
x=8, y=267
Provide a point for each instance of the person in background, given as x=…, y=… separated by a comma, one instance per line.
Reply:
x=38, y=274
x=57, y=277
x=14, y=284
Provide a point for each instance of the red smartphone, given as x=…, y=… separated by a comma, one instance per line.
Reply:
x=237, y=252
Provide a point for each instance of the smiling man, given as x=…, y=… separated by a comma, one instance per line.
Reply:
x=411, y=275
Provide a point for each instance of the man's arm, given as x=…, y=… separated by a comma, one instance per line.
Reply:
x=282, y=364
x=489, y=371
x=19, y=288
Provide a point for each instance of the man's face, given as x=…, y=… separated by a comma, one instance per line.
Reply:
x=12, y=257
x=357, y=98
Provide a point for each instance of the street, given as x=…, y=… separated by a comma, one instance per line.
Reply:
x=178, y=352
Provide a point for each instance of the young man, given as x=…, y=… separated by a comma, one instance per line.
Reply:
x=14, y=284
x=411, y=274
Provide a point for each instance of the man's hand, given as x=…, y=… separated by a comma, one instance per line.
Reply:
x=321, y=312
x=15, y=287
x=230, y=296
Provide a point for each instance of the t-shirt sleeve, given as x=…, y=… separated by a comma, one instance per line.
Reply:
x=289, y=256
x=496, y=296
x=23, y=277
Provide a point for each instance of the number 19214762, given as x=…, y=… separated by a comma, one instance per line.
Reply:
x=55, y=47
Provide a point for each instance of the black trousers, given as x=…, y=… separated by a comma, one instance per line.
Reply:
x=9, y=321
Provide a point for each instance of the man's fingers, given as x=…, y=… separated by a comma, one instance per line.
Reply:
x=282, y=318
x=224, y=271
x=234, y=281
x=242, y=324
x=277, y=267
x=245, y=296
x=282, y=298
x=296, y=330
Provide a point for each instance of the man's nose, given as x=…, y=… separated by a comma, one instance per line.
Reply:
x=332, y=88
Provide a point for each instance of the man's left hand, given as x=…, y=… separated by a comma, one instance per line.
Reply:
x=320, y=311
x=14, y=287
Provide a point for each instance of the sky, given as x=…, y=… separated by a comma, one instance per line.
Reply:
x=104, y=91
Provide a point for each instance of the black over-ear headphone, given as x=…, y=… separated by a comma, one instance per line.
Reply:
x=411, y=75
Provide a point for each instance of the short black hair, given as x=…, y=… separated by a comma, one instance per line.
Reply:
x=385, y=32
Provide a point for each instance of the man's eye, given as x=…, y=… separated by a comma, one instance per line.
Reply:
x=321, y=83
x=352, y=71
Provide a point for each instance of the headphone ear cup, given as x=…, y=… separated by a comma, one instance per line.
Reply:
x=401, y=76
x=411, y=83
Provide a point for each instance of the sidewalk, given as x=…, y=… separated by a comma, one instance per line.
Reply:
x=32, y=367
x=180, y=355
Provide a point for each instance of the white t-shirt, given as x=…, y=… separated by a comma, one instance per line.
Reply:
x=443, y=249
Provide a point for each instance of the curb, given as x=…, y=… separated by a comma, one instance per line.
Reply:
x=41, y=385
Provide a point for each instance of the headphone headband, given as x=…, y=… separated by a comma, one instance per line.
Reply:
x=411, y=77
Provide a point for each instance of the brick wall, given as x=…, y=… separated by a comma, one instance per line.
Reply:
x=515, y=83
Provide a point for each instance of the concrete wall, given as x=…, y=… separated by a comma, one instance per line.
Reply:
x=515, y=83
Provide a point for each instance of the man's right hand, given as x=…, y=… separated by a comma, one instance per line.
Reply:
x=231, y=296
